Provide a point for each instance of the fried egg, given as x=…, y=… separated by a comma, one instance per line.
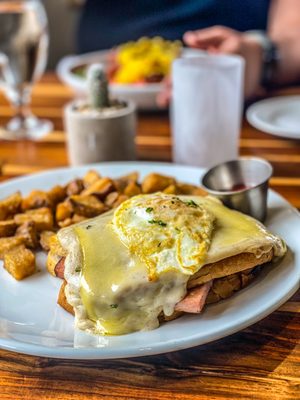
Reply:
x=165, y=232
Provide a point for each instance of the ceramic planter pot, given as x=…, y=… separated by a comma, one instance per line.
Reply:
x=94, y=136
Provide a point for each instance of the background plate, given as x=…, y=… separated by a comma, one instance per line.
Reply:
x=279, y=116
x=31, y=322
x=144, y=96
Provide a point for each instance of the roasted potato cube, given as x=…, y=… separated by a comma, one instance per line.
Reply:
x=156, y=183
x=111, y=198
x=246, y=278
x=36, y=199
x=56, y=195
x=7, y=228
x=42, y=217
x=10, y=205
x=132, y=177
x=9, y=243
x=45, y=238
x=56, y=247
x=78, y=218
x=63, y=211
x=70, y=221
x=29, y=233
x=19, y=262
x=90, y=177
x=172, y=189
x=225, y=287
x=120, y=199
x=62, y=299
x=132, y=189
x=87, y=206
x=55, y=254
x=100, y=188
x=74, y=187
x=123, y=181
x=185, y=188
x=66, y=222
x=212, y=297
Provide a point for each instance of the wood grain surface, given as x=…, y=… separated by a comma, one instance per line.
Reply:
x=261, y=362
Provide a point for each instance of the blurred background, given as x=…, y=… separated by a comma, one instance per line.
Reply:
x=63, y=16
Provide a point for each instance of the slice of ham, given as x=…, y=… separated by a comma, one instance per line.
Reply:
x=59, y=269
x=194, y=301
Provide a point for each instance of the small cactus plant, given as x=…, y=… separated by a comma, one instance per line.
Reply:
x=97, y=85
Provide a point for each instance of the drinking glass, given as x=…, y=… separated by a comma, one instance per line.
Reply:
x=206, y=109
x=23, y=56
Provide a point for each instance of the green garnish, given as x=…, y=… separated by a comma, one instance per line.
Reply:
x=159, y=244
x=191, y=203
x=77, y=269
x=88, y=227
x=149, y=209
x=157, y=221
x=177, y=230
x=114, y=306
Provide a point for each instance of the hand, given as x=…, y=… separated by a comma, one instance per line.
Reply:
x=164, y=97
x=222, y=40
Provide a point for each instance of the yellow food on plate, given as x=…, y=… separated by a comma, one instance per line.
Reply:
x=146, y=60
x=132, y=267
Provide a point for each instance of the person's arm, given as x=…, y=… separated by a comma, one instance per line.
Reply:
x=284, y=30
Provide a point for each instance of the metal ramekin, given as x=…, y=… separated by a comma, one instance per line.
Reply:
x=226, y=182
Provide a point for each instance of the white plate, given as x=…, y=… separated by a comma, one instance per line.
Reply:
x=144, y=96
x=279, y=116
x=31, y=322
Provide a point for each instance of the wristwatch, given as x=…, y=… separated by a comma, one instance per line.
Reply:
x=270, y=57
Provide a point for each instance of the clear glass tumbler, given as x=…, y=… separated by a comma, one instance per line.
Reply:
x=23, y=56
x=206, y=109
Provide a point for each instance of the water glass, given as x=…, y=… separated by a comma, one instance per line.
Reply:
x=206, y=109
x=23, y=56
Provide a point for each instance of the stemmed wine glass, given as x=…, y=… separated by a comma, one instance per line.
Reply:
x=23, y=56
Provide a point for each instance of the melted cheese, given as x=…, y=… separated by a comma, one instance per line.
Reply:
x=109, y=286
x=115, y=288
x=236, y=233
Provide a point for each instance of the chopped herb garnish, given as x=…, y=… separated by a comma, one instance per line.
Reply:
x=157, y=221
x=77, y=269
x=177, y=229
x=191, y=203
x=88, y=227
x=149, y=209
x=159, y=244
x=114, y=306
x=173, y=202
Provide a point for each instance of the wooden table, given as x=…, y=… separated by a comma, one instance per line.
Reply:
x=261, y=362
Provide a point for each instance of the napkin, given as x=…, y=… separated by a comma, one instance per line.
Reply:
x=206, y=108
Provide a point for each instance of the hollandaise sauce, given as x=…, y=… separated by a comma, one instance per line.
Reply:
x=115, y=289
